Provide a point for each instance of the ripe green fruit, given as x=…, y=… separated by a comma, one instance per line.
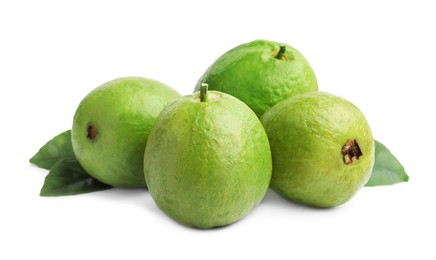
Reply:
x=322, y=149
x=207, y=162
x=111, y=126
x=260, y=73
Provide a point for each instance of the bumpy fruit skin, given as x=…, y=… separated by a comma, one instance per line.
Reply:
x=251, y=73
x=111, y=126
x=307, y=134
x=207, y=164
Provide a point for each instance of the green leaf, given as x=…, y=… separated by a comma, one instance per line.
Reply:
x=67, y=177
x=57, y=148
x=387, y=169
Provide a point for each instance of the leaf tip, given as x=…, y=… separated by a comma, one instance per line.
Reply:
x=33, y=159
x=43, y=193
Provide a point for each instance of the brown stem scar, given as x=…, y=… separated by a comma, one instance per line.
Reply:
x=351, y=151
x=92, y=132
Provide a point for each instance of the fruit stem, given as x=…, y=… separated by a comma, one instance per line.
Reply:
x=281, y=52
x=203, y=92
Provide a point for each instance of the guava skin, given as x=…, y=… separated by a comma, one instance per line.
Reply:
x=207, y=164
x=111, y=127
x=252, y=73
x=307, y=134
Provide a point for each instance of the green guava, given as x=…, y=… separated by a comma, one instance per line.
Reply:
x=111, y=127
x=207, y=162
x=261, y=73
x=322, y=149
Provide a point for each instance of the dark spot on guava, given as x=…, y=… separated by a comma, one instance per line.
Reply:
x=351, y=151
x=92, y=132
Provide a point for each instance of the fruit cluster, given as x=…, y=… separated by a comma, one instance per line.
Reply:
x=255, y=120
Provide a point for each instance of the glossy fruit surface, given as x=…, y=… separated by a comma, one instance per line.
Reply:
x=322, y=149
x=261, y=73
x=207, y=163
x=111, y=126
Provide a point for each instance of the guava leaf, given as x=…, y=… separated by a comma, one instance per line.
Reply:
x=387, y=169
x=67, y=177
x=57, y=148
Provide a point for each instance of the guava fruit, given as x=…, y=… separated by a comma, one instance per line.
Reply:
x=207, y=162
x=322, y=149
x=261, y=73
x=111, y=126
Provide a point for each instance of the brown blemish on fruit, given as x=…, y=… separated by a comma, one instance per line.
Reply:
x=351, y=151
x=92, y=132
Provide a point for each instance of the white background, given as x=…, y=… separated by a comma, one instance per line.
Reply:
x=378, y=54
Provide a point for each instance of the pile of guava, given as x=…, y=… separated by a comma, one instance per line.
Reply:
x=255, y=120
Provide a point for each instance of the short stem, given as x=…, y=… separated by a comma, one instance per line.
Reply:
x=281, y=52
x=203, y=92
